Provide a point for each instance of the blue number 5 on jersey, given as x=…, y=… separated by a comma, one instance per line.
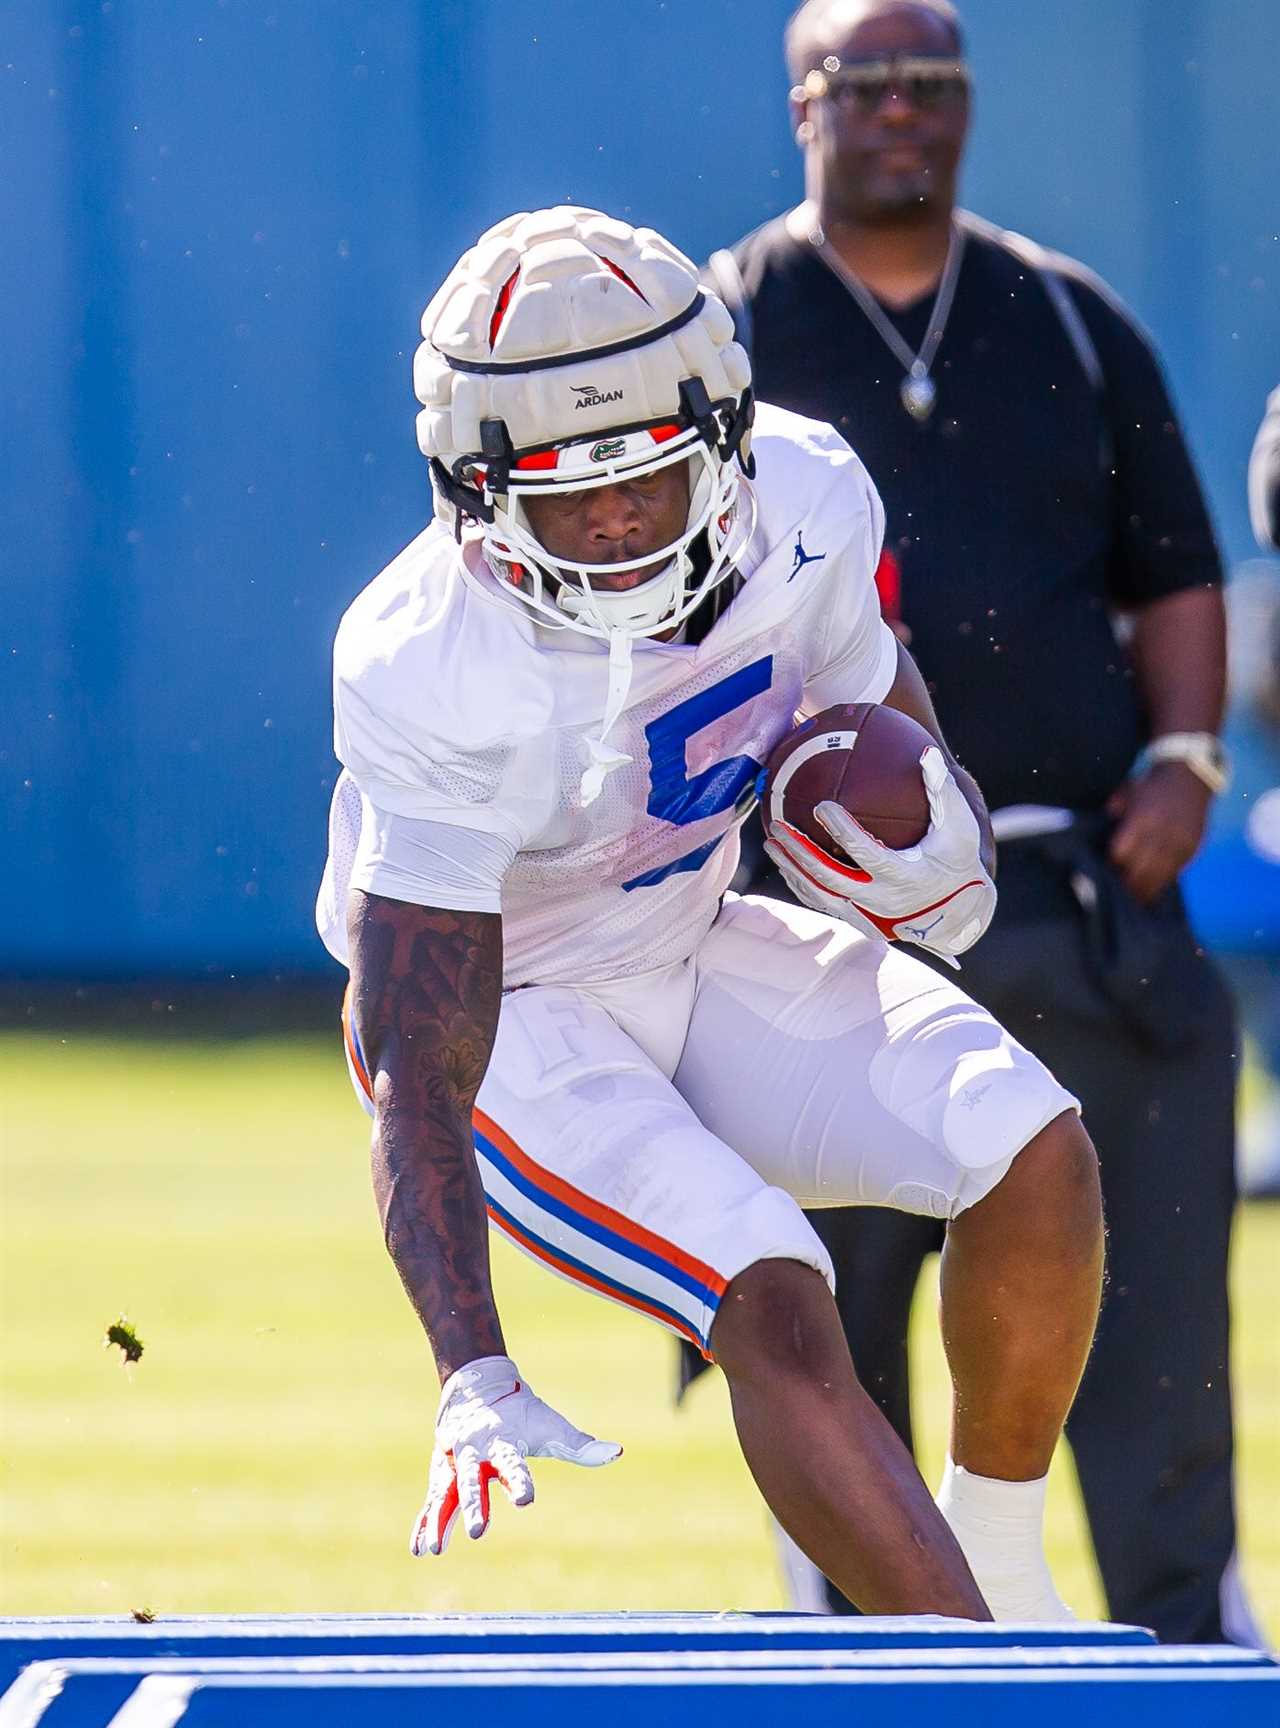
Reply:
x=676, y=797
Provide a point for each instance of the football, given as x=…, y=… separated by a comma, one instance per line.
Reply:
x=862, y=756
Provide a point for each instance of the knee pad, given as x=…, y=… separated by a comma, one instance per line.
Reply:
x=999, y=1099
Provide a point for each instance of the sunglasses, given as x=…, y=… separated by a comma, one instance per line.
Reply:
x=863, y=86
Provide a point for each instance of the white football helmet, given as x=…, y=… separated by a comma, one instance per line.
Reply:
x=567, y=350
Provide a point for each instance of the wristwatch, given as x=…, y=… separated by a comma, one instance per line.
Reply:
x=1202, y=752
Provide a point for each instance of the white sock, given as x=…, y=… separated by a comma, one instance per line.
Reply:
x=999, y=1526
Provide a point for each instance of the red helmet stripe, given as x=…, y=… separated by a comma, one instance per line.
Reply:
x=500, y=310
x=660, y=434
x=539, y=459
x=621, y=275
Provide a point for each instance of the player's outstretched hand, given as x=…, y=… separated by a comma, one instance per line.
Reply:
x=488, y=1423
x=936, y=894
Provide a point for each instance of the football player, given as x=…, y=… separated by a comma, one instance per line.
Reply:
x=551, y=710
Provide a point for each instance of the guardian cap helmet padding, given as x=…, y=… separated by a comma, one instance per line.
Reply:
x=567, y=350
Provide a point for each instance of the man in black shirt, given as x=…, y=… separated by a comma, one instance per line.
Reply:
x=1049, y=556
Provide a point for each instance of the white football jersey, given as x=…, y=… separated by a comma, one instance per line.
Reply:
x=454, y=705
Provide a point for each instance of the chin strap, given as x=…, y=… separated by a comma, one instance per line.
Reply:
x=604, y=758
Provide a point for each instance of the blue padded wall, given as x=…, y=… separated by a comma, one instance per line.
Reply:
x=223, y=221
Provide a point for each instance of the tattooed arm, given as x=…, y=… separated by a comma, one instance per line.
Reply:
x=425, y=990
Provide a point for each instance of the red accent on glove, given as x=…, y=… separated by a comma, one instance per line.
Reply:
x=850, y=870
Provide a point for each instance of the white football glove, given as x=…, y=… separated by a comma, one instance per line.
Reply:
x=936, y=893
x=488, y=1423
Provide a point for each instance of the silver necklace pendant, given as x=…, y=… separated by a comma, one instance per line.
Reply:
x=919, y=393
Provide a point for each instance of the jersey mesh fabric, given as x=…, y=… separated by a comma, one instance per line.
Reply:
x=344, y=837
x=479, y=785
x=426, y=863
x=581, y=884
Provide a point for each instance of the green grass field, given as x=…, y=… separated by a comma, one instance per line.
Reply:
x=269, y=1450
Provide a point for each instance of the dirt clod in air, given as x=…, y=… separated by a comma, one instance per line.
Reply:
x=121, y=1333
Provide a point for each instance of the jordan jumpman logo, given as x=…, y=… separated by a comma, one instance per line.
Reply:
x=802, y=558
